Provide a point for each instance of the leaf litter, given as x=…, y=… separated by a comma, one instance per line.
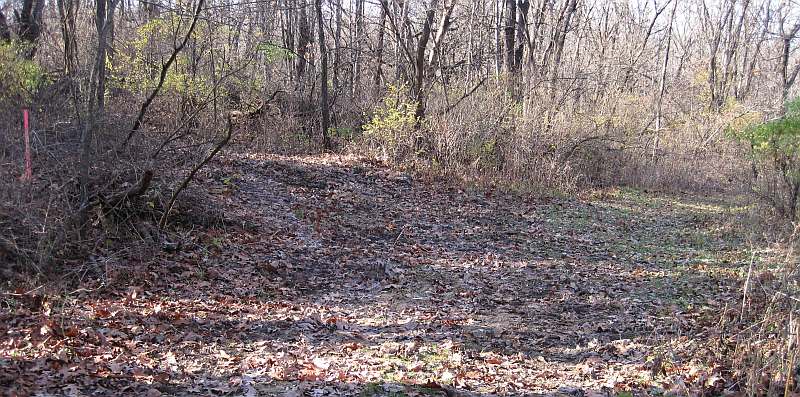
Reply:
x=337, y=276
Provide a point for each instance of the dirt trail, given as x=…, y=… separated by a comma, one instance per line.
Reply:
x=332, y=276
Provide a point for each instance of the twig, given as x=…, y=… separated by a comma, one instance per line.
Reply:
x=137, y=190
x=163, y=222
x=463, y=97
x=399, y=235
x=747, y=282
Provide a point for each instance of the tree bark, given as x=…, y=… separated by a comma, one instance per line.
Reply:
x=323, y=98
x=303, y=43
x=509, y=34
x=95, y=107
x=359, y=43
x=523, y=39
x=67, y=10
x=376, y=80
x=788, y=75
x=419, y=62
x=5, y=32
x=662, y=85
x=29, y=25
x=337, y=47
x=751, y=65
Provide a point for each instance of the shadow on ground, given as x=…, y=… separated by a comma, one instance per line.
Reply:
x=338, y=277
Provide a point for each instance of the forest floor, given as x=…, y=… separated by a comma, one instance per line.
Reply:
x=333, y=276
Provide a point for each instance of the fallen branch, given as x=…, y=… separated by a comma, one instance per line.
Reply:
x=58, y=236
x=136, y=190
x=568, y=153
x=463, y=97
x=252, y=114
x=163, y=222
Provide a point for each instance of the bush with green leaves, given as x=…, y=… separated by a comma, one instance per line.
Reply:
x=137, y=64
x=775, y=151
x=392, y=128
x=20, y=78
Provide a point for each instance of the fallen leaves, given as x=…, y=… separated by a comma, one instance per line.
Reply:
x=330, y=281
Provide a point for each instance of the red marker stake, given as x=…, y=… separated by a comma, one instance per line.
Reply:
x=28, y=175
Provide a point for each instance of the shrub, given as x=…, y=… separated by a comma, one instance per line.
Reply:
x=393, y=125
x=775, y=150
x=20, y=79
x=137, y=65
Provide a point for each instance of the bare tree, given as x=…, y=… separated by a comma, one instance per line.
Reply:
x=788, y=73
x=104, y=15
x=509, y=34
x=323, y=98
x=376, y=80
x=29, y=24
x=5, y=32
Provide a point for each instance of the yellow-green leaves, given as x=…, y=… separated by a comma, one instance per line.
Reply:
x=19, y=78
x=393, y=121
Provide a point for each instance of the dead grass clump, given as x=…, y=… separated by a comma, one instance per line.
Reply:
x=758, y=343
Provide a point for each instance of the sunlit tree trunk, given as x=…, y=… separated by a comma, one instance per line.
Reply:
x=788, y=73
x=357, y=50
x=376, y=80
x=104, y=15
x=323, y=56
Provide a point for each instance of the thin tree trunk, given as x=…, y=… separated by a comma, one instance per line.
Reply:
x=95, y=107
x=359, y=43
x=509, y=34
x=5, y=32
x=376, y=80
x=337, y=44
x=304, y=41
x=419, y=62
x=163, y=76
x=498, y=25
x=748, y=72
x=67, y=12
x=323, y=99
x=788, y=75
x=470, y=42
x=663, y=83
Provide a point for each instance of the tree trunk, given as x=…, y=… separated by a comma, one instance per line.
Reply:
x=419, y=62
x=95, y=108
x=788, y=75
x=323, y=98
x=523, y=39
x=376, y=80
x=359, y=43
x=303, y=43
x=662, y=85
x=337, y=47
x=29, y=25
x=751, y=65
x=67, y=9
x=509, y=32
x=498, y=48
x=5, y=32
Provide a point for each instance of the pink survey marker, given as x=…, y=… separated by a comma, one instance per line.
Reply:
x=28, y=175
